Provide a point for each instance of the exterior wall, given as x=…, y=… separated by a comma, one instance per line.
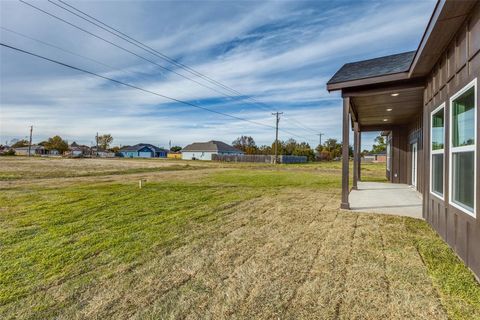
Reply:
x=398, y=158
x=33, y=151
x=103, y=154
x=161, y=154
x=206, y=155
x=458, y=66
x=174, y=156
x=144, y=154
x=198, y=155
x=415, y=135
x=129, y=154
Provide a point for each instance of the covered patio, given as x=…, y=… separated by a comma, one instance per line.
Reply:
x=378, y=95
x=387, y=198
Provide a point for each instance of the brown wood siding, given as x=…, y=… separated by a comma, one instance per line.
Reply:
x=402, y=137
x=415, y=134
x=459, y=64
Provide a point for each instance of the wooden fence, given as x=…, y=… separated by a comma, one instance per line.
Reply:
x=258, y=158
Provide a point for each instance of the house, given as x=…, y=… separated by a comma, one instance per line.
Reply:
x=6, y=150
x=102, y=153
x=205, y=150
x=143, y=150
x=427, y=102
x=34, y=150
x=375, y=158
x=53, y=152
x=77, y=150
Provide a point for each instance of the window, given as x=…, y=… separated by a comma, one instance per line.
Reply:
x=437, y=147
x=463, y=124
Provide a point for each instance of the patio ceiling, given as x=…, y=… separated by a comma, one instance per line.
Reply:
x=381, y=108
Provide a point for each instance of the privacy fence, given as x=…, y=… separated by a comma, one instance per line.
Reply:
x=258, y=158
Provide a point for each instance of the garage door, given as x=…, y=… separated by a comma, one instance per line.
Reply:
x=145, y=154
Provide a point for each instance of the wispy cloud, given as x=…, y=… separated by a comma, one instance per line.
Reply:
x=281, y=53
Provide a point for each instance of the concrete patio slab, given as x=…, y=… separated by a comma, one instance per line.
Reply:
x=387, y=198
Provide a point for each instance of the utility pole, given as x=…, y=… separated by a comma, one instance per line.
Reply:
x=320, y=135
x=96, y=150
x=30, y=141
x=277, y=116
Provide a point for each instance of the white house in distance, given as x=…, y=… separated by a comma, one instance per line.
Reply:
x=205, y=150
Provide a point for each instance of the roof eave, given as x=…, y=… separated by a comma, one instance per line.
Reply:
x=367, y=81
x=446, y=18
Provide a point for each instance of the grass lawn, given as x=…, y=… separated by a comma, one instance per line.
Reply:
x=79, y=239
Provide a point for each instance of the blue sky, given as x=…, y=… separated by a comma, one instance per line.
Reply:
x=281, y=53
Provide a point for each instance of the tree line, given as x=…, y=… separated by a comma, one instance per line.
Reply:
x=289, y=147
x=330, y=149
x=61, y=145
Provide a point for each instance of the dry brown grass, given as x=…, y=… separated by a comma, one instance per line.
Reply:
x=276, y=258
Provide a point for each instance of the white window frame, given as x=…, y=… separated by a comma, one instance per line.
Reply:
x=470, y=148
x=440, y=151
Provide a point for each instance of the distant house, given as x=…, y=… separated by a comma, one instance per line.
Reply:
x=205, y=150
x=34, y=150
x=375, y=157
x=143, y=150
x=102, y=153
x=5, y=150
x=78, y=150
x=53, y=152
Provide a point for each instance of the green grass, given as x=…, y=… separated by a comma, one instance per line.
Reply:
x=457, y=285
x=276, y=179
x=52, y=235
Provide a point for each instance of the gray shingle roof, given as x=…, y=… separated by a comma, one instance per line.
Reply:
x=374, y=67
x=210, y=146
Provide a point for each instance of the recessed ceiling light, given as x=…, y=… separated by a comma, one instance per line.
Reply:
x=395, y=94
x=385, y=120
x=389, y=109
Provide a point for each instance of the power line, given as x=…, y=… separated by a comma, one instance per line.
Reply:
x=138, y=88
x=302, y=125
x=56, y=47
x=132, y=86
x=151, y=50
x=125, y=49
x=107, y=66
x=120, y=47
x=163, y=56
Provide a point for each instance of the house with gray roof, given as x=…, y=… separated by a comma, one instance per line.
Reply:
x=143, y=150
x=205, y=150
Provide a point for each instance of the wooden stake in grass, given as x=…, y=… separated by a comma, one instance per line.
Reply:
x=141, y=183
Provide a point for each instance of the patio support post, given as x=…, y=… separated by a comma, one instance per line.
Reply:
x=359, y=155
x=345, y=156
x=356, y=155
